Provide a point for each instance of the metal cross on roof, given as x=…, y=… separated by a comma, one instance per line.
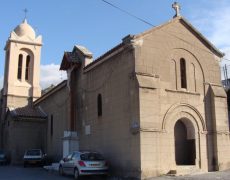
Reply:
x=176, y=7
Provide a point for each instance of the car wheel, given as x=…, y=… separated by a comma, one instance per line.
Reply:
x=61, y=172
x=76, y=173
x=24, y=165
x=104, y=176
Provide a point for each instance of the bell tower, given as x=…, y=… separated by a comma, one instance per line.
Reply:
x=22, y=66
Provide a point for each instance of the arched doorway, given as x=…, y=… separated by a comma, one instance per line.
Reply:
x=185, y=146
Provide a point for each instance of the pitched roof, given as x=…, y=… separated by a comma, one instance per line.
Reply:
x=128, y=38
x=50, y=92
x=68, y=60
x=105, y=54
x=28, y=112
x=83, y=50
x=205, y=41
x=72, y=58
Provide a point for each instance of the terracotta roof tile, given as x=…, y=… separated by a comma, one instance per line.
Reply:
x=27, y=111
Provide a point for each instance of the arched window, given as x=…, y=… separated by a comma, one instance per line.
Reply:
x=183, y=73
x=20, y=66
x=27, y=67
x=99, y=105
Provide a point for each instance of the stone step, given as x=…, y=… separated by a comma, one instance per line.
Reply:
x=184, y=170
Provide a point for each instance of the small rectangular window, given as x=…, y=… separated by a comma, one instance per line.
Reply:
x=51, y=125
x=99, y=105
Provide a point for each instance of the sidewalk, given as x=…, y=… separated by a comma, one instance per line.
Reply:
x=218, y=175
x=52, y=167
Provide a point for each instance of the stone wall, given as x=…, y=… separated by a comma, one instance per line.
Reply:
x=158, y=53
x=111, y=133
x=56, y=106
x=23, y=134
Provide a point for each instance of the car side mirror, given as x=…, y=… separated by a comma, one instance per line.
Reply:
x=65, y=159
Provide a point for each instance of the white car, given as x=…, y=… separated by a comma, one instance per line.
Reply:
x=34, y=157
x=81, y=163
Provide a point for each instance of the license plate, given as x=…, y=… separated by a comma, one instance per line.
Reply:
x=94, y=165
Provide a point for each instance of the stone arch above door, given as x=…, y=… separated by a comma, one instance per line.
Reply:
x=179, y=111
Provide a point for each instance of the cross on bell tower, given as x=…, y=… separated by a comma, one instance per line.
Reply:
x=25, y=11
x=176, y=6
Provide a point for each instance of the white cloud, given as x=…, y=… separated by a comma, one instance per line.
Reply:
x=226, y=62
x=226, y=51
x=214, y=24
x=50, y=74
x=1, y=82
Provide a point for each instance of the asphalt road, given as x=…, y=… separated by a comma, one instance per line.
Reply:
x=34, y=173
x=31, y=173
x=37, y=173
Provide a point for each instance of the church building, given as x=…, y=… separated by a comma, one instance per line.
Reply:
x=152, y=105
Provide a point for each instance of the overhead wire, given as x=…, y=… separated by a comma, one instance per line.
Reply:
x=152, y=25
x=144, y=21
x=126, y=12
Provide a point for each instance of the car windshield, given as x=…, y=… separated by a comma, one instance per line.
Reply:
x=91, y=157
x=33, y=152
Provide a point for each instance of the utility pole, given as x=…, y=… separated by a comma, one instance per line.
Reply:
x=226, y=72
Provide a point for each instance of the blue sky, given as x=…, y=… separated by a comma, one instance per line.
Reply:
x=99, y=27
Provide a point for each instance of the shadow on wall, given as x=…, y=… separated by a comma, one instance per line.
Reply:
x=228, y=101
